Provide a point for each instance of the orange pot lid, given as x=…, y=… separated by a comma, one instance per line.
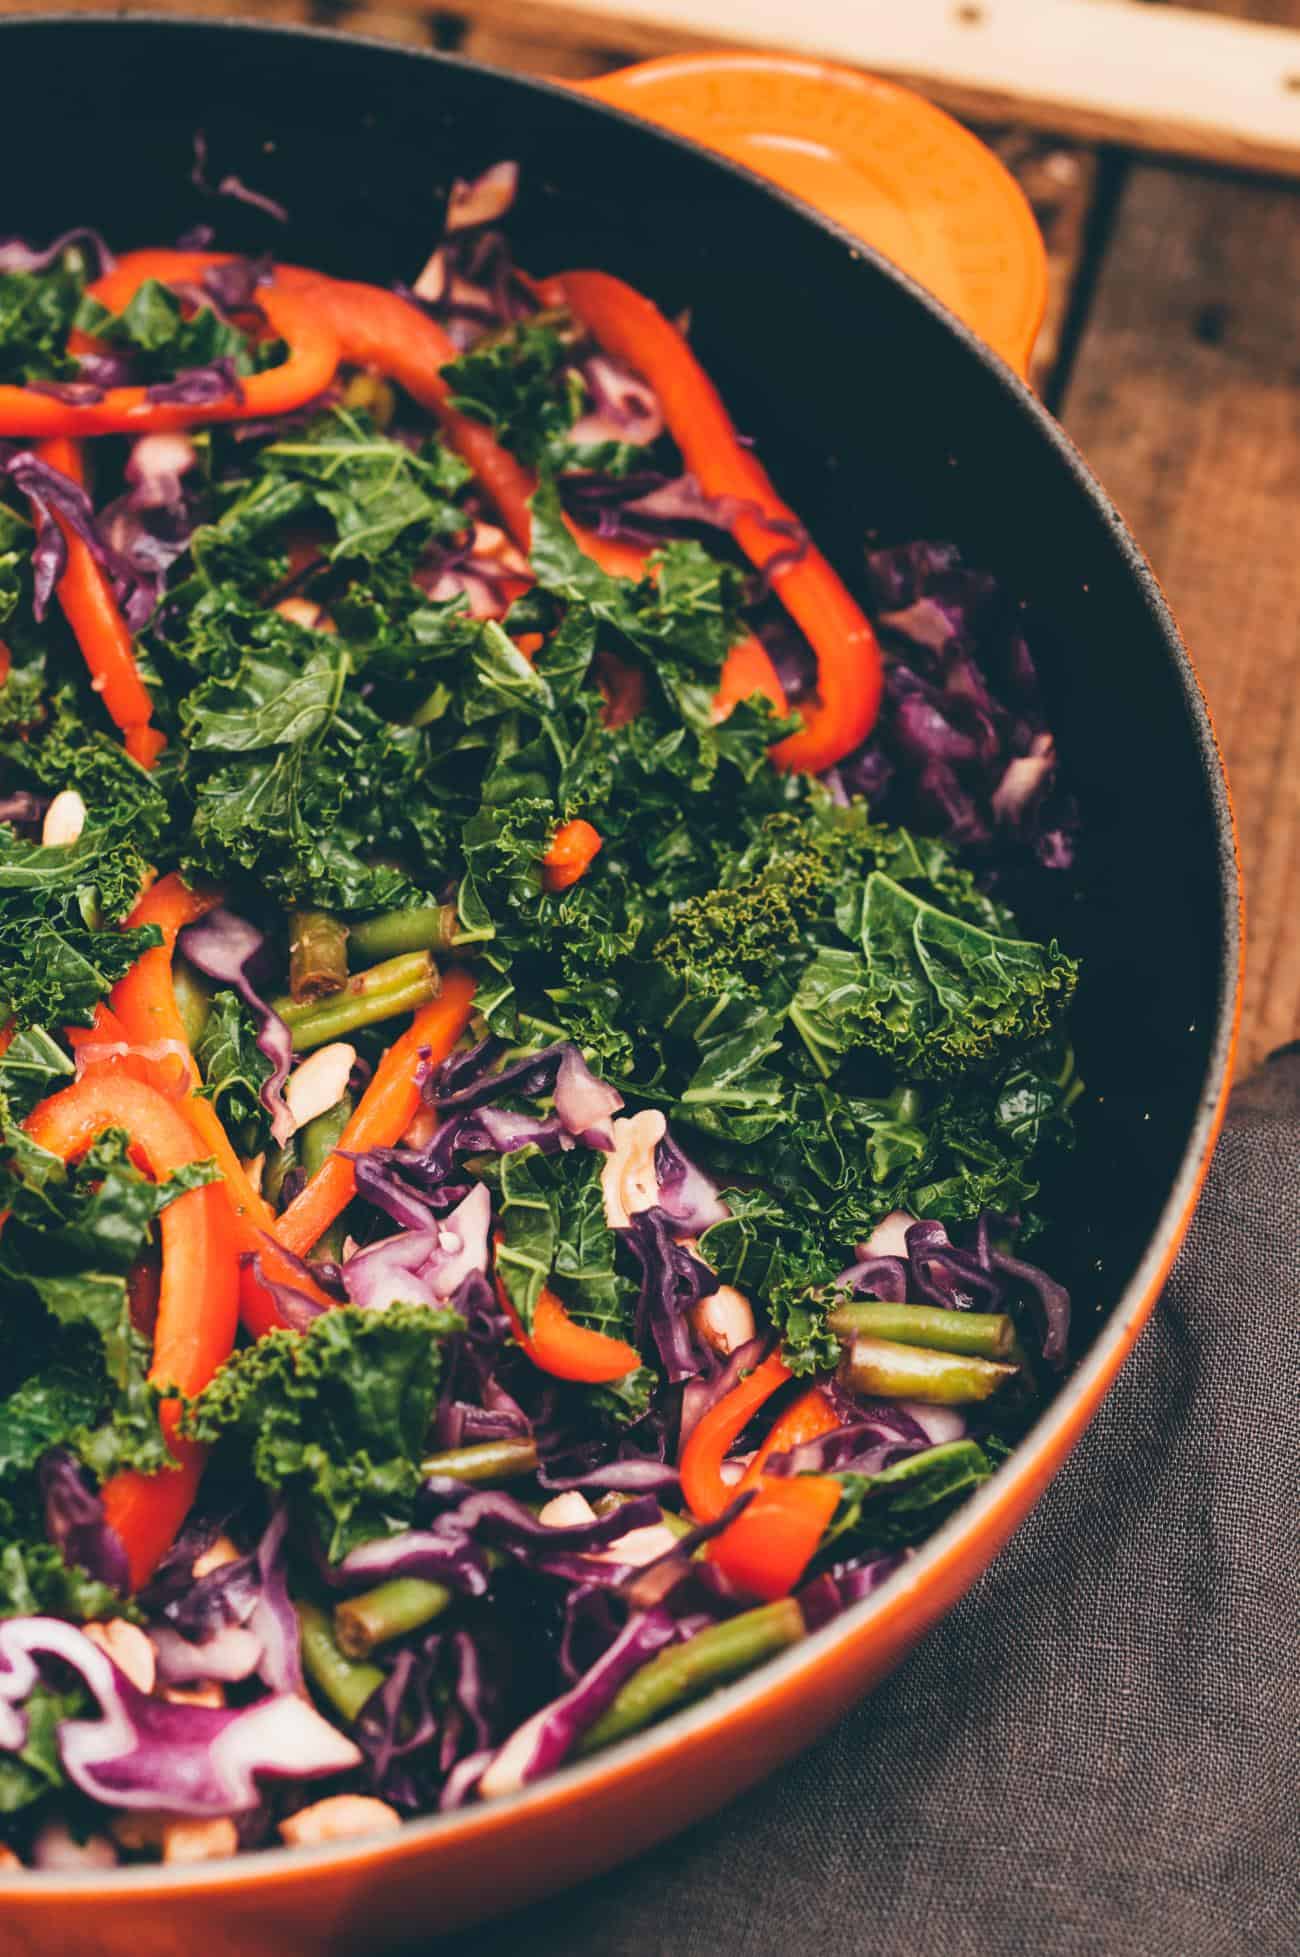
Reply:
x=880, y=160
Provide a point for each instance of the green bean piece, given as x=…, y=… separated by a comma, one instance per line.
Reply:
x=676, y=1525
x=682, y=1672
x=982, y=1334
x=345, y=1683
x=388, y=1611
x=318, y=956
x=882, y=1370
x=400, y=986
x=319, y=1139
x=279, y=1161
x=193, y=999
x=391, y=975
x=432, y=928
x=488, y=1461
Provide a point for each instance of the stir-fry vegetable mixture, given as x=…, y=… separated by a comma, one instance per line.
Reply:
x=523, y=1099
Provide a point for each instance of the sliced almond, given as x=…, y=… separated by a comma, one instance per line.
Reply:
x=215, y=1557
x=567, y=1511
x=339, y=1818
x=64, y=819
x=130, y=1648
x=188, y=1840
x=725, y=1319
x=320, y=1082
x=628, y=1181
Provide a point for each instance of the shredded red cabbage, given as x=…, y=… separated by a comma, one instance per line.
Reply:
x=76, y=1524
x=143, y=1752
x=224, y=947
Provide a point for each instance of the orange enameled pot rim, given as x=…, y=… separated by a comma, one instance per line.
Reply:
x=827, y=134
x=966, y=1541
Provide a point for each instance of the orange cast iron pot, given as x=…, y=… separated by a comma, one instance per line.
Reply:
x=877, y=406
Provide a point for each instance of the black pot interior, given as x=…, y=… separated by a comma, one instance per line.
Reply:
x=873, y=411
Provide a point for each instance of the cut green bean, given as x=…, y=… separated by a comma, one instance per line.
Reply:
x=342, y=1680
x=432, y=928
x=319, y=1139
x=676, y=1525
x=485, y=1461
x=982, y=1334
x=193, y=999
x=882, y=1370
x=279, y=1161
x=679, y=1674
x=399, y=986
x=388, y=1611
x=318, y=956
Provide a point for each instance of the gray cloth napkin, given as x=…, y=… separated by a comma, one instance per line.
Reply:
x=1098, y=1753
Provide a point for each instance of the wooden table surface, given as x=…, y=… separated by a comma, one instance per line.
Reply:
x=1171, y=352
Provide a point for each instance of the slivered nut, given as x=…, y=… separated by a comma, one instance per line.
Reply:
x=130, y=1649
x=628, y=1181
x=339, y=1818
x=320, y=1082
x=64, y=819
x=725, y=1319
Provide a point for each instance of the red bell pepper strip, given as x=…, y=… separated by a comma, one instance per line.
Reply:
x=810, y=1416
x=707, y=1493
x=310, y=367
x=771, y=1542
x=384, y=1112
x=766, y=1550
x=565, y=1350
x=198, y=1296
x=145, y=1004
x=100, y=630
x=573, y=849
x=379, y=329
x=849, y=669
x=106, y=1030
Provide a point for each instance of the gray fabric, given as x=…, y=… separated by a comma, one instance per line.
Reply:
x=1098, y=1754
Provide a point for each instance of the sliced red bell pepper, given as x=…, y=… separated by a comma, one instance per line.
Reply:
x=198, y=1298
x=849, y=668
x=707, y=1493
x=145, y=1004
x=88, y=604
x=384, y=1112
x=379, y=329
x=310, y=367
x=806, y=1419
x=771, y=1542
x=766, y=1550
x=573, y=849
x=558, y=1346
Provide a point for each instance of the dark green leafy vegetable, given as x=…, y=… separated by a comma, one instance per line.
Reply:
x=337, y=1417
x=77, y=1378
x=37, y=312
x=372, y=488
x=36, y=1768
x=514, y=382
x=909, y=1500
x=153, y=328
x=234, y=1069
x=32, y=1066
x=942, y=993
x=553, y=1227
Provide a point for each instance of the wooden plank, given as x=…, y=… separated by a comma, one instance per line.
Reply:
x=1159, y=78
x=1184, y=400
x=1060, y=180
